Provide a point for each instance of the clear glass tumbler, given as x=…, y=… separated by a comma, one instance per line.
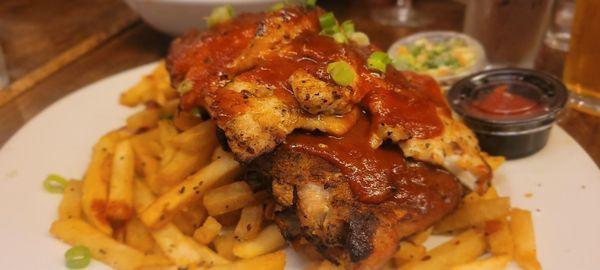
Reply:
x=511, y=31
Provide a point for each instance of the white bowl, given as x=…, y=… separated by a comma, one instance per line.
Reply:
x=176, y=17
x=446, y=81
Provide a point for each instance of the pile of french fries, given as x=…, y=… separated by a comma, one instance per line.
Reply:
x=160, y=193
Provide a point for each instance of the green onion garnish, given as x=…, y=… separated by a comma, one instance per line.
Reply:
x=55, y=183
x=360, y=38
x=379, y=61
x=339, y=37
x=311, y=4
x=277, y=6
x=327, y=20
x=185, y=86
x=219, y=15
x=78, y=257
x=341, y=72
x=348, y=27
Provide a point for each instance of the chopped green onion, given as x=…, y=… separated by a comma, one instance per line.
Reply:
x=341, y=72
x=55, y=183
x=348, y=27
x=360, y=38
x=185, y=86
x=311, y=4
x=339, y=37
x=78, y=257
x=327, y=20
x=330, y=31
x=277, y=6
x=379, y=61
x=219, y=15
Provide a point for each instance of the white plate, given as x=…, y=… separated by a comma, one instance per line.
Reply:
x=564, y=181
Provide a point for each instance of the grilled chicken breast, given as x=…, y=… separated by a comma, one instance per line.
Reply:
x=354, y=168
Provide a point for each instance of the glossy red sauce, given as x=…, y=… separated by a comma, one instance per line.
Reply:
x=374, y=175
x=501, y=101
x=395, y=98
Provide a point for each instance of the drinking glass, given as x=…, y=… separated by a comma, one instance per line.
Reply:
x=581, y=67
x=401, y=14
x=511, y=31
x=561, y=23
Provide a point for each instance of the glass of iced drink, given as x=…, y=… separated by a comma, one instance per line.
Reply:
x=511, y=31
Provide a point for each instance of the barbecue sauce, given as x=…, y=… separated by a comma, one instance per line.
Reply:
x=374, y=175
x=398, y=99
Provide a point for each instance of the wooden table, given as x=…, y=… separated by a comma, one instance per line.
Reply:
x=53, y=48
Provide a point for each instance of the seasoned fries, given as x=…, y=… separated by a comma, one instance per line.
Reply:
x=192, y=189
x=521, y=226
x=250, y=222
x=120, y=197
x=268, y=240
x=103, y=248
x=492, y=263
x=209, y=230
x=161, y=193
x=474, y=213
x=70, y=206
x=228, y=198
x=273, y=261
x=465, y=247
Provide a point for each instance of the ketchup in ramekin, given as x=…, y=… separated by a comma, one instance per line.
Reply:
x=511, y=110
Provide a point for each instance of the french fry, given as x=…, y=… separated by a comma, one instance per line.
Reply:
x=166, y=131
x=408, y=251
x=182, y=164
x=464, y=248
x=494, y=161
x=491, y=193
x=138, y=236
x=228, y=198
x=499, y=237
x=147, y=144
x=70, y=206
x=103, y=248
x=250, y=222
x=200, y=139
x=208, y=231
x=150, y=167
x=192, y=189
x=268, y=240
x=492, y=263
x=181, y=249
x=145, y=119
x=120, y=196
x=189, y=218
x=474, y=213
x=521, y=226
x=218, y=153
x=272, y=261
x=224, y=245
x=153, y=87
x=94, y=189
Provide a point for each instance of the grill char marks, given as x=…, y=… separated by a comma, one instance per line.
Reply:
x=317, y=205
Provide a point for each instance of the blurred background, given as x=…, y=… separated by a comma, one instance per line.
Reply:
x=51, y=48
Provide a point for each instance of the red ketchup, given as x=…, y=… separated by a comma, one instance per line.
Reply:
x=510, y=110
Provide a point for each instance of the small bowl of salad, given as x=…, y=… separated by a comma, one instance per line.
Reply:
x=445, y=55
